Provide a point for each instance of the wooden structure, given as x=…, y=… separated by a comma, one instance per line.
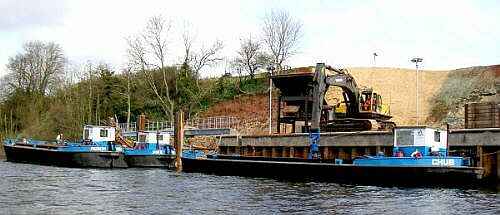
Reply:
x=482, y=115
x=179, y=139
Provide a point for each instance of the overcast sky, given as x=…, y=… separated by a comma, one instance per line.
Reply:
x=447, y=34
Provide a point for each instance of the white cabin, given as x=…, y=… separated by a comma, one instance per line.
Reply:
x=420, y=136
x=98, y=133
x=152, y=136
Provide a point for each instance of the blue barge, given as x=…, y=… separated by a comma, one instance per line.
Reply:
x=100, y=147
x=420, y=157
x=97, y=149
x=152, y=149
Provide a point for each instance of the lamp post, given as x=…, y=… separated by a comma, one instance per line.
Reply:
x=270, y=69
x=375, y=59
x=416, y=60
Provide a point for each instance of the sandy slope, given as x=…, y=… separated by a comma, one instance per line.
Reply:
x=398, y=88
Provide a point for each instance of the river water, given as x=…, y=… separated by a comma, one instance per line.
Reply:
x=33, y=189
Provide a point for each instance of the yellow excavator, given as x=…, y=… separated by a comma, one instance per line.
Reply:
x=302, y=99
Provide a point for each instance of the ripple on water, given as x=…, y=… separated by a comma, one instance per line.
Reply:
x=32, y=189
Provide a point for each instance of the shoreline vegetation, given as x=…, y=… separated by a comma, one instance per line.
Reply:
x=44, y=95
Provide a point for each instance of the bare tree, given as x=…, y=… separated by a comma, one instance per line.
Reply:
x=281, y=34
x=205, y=56
x=155, y=36
x=37, y=68
x=90, y=73
x=5, y=87
x=250, y=56
x=147, y=52
x=128, y=92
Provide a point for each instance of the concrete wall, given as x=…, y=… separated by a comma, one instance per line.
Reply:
x=475, y=137
x=341, y=139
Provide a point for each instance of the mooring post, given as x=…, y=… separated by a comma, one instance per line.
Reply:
x=498, y=165
x=479, y=152
x=179, y=139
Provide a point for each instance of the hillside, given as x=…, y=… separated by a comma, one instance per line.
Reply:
x=397, y=86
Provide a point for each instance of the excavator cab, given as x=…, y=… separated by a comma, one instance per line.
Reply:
x=370, y=101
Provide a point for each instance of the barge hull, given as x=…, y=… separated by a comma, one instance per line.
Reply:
x=25, y=154
x=166, y=161
x=345, y=173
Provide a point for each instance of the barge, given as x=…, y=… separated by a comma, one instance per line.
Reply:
x=152, y=149
x=420, y=157
x=97, y=150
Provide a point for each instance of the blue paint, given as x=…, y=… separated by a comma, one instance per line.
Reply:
x=84, y=146
x=150, y=149
x=406, y=155
x=193, y=154
x=409, y=161
x=314, y=137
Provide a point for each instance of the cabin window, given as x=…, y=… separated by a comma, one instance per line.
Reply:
x=104, y=133
x=142, y=138
x=159, y=137
x=404, y=138
x=86, y=134
x=437, y=136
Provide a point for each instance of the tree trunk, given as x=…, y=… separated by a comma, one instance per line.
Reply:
x=11, y=124
x=128, y=100
x=90, y=96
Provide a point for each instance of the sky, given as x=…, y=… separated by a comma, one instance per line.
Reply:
x=446, y=34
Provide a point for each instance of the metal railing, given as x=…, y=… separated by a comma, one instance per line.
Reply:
x=219, y=122
x=215, y=122
x=127, y=127
x=158, y=126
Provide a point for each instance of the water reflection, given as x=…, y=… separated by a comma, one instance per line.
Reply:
x=27, y=189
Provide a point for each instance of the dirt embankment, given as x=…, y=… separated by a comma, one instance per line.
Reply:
x=251, y=110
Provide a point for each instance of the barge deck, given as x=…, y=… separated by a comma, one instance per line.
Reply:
x=54, y=157
x=334, y=172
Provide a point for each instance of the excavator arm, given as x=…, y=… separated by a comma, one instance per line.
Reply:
x=321, y=83
x=318, y=92
x=349, y=88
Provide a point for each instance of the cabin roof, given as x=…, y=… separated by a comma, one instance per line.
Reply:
x=98, y=126
x=416, y=127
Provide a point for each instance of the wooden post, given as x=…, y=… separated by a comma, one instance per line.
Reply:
x=326, y=153
x=467, y=114
x=354, y=153
x=498, y=165
x=141, y=122
x=179, y=139
x=274, y=152
x=479, y=152
x=278, y=124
